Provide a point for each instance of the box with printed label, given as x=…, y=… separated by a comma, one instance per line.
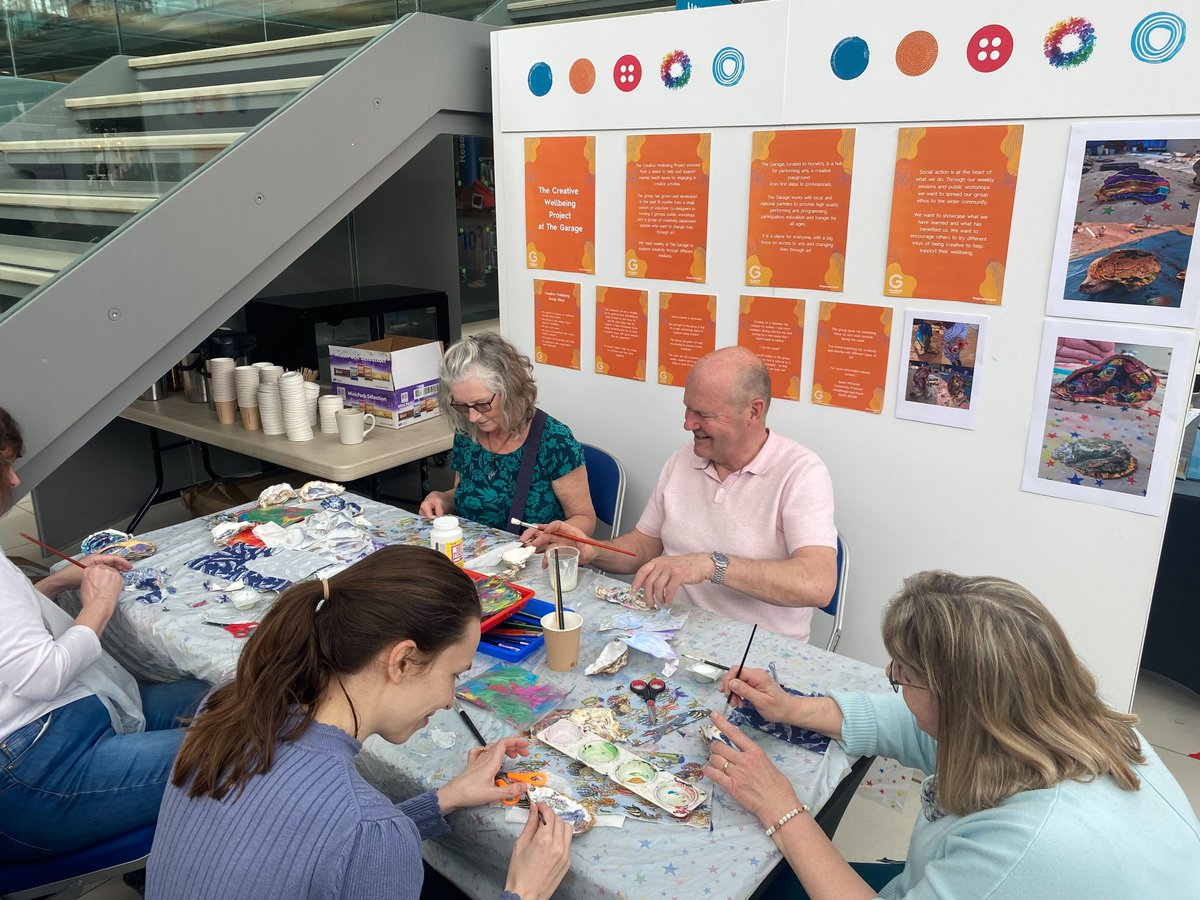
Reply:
x=394, y=409
x=394, y=363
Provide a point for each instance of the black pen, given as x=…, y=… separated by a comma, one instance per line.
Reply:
x=471, y=725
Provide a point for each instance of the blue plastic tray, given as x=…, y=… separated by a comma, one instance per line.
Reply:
x=534, y=607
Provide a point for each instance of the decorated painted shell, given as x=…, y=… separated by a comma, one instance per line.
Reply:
x=1134, y=183
x=1130, y=269
x=1097, y=457
x=1119, y=380
x=319, y=490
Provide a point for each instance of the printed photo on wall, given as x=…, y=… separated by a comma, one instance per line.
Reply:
x=1126, y=224
x=940, y=380
x=1106, y=414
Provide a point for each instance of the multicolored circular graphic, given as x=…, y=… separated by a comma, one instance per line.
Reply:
x=1073, y=30
x=627, y=73
x=916, y=53
x=676, y=70
x=540, y=79
x=850, y=58
x=582, y=76
x=989, y=49
x=1143, y=45
x=728, y=66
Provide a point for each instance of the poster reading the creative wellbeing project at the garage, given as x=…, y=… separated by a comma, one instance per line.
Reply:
x=773, y=327
x=952, y=207
x=556, y=323
x=687, y=330
x=560, y=204
x=799, y=208
x=666, y=206
x=621, y=315
x=850, y=368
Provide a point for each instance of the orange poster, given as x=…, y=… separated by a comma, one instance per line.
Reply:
x=556, y=323
x=621, y=332
x=952, y=207
x=851, y=363
x=773, y=327
x=666, y=206
x=799, y=208
x=687, y=329
x=560, y=204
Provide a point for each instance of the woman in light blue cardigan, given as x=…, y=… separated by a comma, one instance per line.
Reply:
x=1038, y=789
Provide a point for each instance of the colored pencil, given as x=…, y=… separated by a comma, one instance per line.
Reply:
x=578, y=540
x=471, y=725
x=742, y=664
x=69, y=559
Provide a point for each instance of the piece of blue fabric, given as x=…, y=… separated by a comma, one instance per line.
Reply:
x=750, y=717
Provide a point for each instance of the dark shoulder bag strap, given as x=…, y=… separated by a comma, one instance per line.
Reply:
x=529, y=454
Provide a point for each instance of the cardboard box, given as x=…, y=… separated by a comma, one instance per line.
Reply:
x=394, y=409
x=394, y=363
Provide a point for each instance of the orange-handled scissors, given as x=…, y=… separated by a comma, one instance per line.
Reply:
x=533, y=779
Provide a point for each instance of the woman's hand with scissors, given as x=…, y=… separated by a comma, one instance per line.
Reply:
x=748, y=775
x=476, y=786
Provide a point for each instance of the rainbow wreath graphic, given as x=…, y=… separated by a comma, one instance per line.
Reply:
x=1144, y=50
x=670, y=61
x=1074, y=26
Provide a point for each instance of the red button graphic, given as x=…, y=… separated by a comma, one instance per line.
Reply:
x=989, y=48
x=627, y=73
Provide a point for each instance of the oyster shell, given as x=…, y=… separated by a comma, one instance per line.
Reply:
x=1130, y=269
x=1097, y=457
x=276, y=495
x=625, y=597
x=575, y=814
x=317, y=490
x=1119, y=380
x=612, y=659
x=600, y=722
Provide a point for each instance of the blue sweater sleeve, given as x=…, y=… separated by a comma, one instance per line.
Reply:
x=423, y=809
x=881, y=724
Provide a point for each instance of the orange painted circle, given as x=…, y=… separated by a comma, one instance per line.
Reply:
x=916, y=53
x=582, y=76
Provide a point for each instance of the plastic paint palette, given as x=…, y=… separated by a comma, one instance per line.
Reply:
x=627, y=769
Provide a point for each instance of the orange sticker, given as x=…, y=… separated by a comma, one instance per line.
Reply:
x=687, y=330
x=773, y=327
x=621, y=332
x=666, y=206
x=799, y=208
x=560, y=204
x=952, y=207
x=556, y=323
x=850, y=369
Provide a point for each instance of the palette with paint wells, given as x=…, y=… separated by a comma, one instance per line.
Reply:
x=627, y=769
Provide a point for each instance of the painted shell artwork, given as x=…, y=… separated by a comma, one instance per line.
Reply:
x=625, y=597
x=276, y=495
x=1119, y=380
x=575, y=814
x=1097, y=457
x=1130, y=269
x=1134, y=183
x=111, y=542
x=612, y=659
x=602, y=722
x=319, y=490
x=514, y=561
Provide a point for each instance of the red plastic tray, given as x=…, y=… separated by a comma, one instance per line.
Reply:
x=489, y=622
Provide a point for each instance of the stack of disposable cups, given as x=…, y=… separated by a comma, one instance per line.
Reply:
x=312, y=392
x=270, y=408
x=245, y=379
x=295, y=407
x=270, y=374
x=220, y=371
x=327, y=408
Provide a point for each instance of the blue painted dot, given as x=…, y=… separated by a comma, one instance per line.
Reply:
x=541, y=79
x=850, y=58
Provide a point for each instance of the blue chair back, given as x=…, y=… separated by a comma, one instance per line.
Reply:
x=837, y=604
x=66, y=876
x=606, y=479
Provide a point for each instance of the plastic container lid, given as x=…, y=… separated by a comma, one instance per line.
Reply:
x=445, y=523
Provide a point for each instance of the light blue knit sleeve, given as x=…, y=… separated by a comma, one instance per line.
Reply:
x=881, y=724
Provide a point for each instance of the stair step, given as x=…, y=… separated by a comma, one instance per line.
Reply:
x=264, y=48
x=98, y=202
x=205, y=141
x=48, y=261
x=210, y=92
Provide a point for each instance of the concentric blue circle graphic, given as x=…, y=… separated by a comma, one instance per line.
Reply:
x=541, y=79
x=1141, y=45
x=728, y=66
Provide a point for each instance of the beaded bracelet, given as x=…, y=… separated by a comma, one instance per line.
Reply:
x=786, y=817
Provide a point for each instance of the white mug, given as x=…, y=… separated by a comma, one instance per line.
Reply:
x=351, y=422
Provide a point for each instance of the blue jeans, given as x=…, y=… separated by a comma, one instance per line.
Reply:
x=67, y=780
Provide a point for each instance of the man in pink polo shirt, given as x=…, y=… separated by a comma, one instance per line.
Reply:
x=741, y=521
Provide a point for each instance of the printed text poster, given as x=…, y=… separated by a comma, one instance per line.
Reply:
x=799, y=208
x=952, y=206
x=560, y=204
x=666, y=206
x=851, y=365
x=621, y=332
x=773, y=327
x=556, y=323
x=687, y=330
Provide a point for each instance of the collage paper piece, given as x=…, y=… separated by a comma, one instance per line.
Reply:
x=514, y=694
x=560, y=204
x=942, y=369
x=773, y=327
x=1126, y=224
x=952, y=208
x=556, y=322
x=851, y=364
x=687, y=330
x=1105, y=421
x=621, y=315
x=666, y=206
x=799, y=208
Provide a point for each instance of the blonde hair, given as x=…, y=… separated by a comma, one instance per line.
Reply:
x=1017, y=709
x=502, y=368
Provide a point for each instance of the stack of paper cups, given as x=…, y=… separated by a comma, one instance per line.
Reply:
x=312, y=392
x=327, y=408
x=270, y=408
x=220, y=371
x=245, y=379
x=295, y=407
x=270, y=373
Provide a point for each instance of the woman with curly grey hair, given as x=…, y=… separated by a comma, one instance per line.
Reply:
x=509, y=458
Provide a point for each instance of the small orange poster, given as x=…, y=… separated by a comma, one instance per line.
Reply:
x=773, y=327
x=687, y=330
x=952, y=207
x=556, y=323
x=621, y=315
x=560, y=204
x=799, y=208
x=851, y=363
x=666, y=206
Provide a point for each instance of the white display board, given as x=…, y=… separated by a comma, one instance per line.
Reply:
x=910, y=495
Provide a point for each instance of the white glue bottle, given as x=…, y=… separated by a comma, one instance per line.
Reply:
x=447, y=538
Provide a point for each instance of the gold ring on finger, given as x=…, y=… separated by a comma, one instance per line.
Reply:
x=725, y=768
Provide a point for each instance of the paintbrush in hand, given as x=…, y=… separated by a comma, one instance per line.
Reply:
x=742, y=664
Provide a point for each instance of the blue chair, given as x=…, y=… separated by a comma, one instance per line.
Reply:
x=606, y=478
x=837, y=605
x=68, y=877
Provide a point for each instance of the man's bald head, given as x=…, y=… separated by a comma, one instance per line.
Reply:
x=738, y=373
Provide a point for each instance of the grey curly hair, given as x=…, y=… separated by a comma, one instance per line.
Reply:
x=502, y=368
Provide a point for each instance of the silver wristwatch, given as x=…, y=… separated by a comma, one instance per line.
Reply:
x=720, y=564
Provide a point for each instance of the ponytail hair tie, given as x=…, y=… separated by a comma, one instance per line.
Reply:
x=324, y=594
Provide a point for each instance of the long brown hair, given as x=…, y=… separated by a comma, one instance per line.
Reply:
x=12, y=445
x=298, y=653
x=1017, y=709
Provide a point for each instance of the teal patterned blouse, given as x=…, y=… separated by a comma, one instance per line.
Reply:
x=487, y=482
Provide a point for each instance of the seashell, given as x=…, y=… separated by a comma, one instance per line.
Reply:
x=575, y=814
x=612, y=659
x=224, y=532
x=316, y=490
x=625, y=597
x=1130, y=269
x=1097, y=457
x=245, y=598
x=111, y=542
x=600, y=722
x=1119, y=380
x=1134, y=183
x=276, y=495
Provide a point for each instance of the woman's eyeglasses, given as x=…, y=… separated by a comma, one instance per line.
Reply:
x=485, y=406
x=896, y=685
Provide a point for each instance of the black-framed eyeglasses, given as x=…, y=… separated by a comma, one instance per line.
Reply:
x=896, y=685
x=485, y=406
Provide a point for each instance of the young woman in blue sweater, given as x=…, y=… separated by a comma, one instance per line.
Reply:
x=1038, y=789
x=265, y=801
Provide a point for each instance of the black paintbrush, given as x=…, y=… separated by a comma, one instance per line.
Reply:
x=741, y=665
x=471, y=725
x=558, y=592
